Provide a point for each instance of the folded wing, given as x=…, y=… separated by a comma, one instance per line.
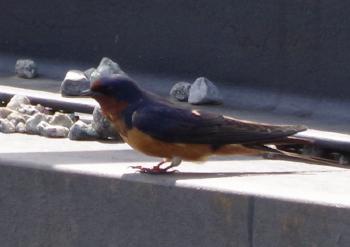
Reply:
x=172, y=124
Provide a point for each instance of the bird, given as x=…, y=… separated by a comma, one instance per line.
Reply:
x=158, y=127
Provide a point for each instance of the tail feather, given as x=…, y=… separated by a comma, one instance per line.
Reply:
x=305, y=158
x=311, y=149
x=275, y=153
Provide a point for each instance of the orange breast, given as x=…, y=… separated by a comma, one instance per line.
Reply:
x=193, y=152
x=151, y=146
x=112, y=110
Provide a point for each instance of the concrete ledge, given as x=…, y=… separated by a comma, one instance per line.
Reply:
x=56, y=192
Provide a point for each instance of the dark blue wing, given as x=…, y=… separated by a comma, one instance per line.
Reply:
x=169, y=123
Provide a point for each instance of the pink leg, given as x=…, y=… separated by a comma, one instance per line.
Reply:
x=155, y=169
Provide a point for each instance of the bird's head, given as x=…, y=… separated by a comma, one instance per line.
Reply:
x=118, y=88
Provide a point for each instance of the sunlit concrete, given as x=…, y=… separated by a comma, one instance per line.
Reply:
x=88, y=194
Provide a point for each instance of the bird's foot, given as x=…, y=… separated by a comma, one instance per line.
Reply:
x=154, y=170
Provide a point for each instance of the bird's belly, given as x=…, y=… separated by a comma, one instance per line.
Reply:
x=186, y=151
x=154, y=147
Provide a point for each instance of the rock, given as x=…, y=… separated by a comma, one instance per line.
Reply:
x=28, y=109
x=74, y=117
x=49, y=118
x=33, y=121
x=18, y=100
x=41, y=109
x=95, y=76
x=41, y=126
x=106, y=68
x=180, y=91
x=107, y=65
x=4, y=112
x=26, y=117
x=74, y=83
x=21, y=127
x=103, y=126
x=204, y=91
x=88, y=73
x=82, y=131
x=49, y=130
x=15, y=118
x=61, y=119
x=26, y=68
x=32, y=109
x=44, y=109
x=6, y=126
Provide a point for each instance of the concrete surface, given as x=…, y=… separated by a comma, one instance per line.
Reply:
x=57, y=192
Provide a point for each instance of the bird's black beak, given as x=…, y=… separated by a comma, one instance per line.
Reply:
x=89, y=93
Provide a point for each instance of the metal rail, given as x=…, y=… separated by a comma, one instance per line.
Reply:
x=52, y=100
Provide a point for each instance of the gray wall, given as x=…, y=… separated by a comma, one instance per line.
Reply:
x=44, y=208
x=295, y=46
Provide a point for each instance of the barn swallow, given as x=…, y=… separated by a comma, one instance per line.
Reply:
x=158, y=127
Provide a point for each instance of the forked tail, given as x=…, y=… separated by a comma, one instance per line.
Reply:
x=296, y=149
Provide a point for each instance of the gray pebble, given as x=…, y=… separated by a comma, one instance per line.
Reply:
x=41, y=109
x=95, y=76
x=4, y=112
x=18, y=100
x=73, y=116
x=21, y=127
x=26, y=117
x=88, y=73
x=27, y=109
x=26, y=68
x=61, y=119
x=15, y=118
x=103, y=126
x=49, y=118
x=107, y=67
x=41, y=126
x=33, y=121
x=180, y=91
x=74, y=83
x=55, y=131
x=204, y=91
x=82, y=131
x=6, y=126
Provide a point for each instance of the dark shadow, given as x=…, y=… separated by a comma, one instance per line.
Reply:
x=203, y=175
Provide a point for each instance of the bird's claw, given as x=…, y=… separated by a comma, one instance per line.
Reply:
x=153, y=170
